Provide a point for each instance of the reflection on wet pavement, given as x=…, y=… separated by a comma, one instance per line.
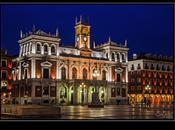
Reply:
x=117, y=112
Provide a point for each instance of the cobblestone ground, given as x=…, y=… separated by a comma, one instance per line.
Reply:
x=122, y=112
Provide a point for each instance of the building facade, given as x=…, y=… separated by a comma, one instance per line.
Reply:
x=150, y=77
x=46, y=72
x=6, y=76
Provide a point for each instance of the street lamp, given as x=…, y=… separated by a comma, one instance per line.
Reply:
x=148, y=88
x=95, y=96
x=82, y=85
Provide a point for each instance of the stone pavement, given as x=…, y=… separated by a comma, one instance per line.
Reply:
x=118, y=112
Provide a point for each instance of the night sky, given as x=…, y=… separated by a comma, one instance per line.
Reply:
x=148, y=28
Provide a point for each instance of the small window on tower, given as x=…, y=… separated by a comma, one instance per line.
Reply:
x=4, y=63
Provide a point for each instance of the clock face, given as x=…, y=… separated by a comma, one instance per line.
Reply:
x=85, y=39
x=77, y=39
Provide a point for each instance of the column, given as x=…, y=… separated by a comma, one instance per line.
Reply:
x=110, y=74
x=20, y=51
x=126, y=75
x=33, y=47
x=42, y=49
x=33, y=67
x=57, y=69
x=120, y=56
x=19, y=71
x=49, y=50
x=75, y=94
x=126, y=57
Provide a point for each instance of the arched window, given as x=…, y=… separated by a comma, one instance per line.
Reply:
x=123, y=57
x=45, y=49
x=53, y=50
x=38, y=48
x=84, y=73
x=28, y=47
x=168, y=68
x=63, y=73
x=157, y=67
x=113, y=57
x=163, y=68
x=106, y=55
x=74, y=73
x=152, y=67
x=118, y=57
x=103, y=75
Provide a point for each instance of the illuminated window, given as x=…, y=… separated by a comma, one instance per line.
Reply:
x=84, y=73
x=103, y=75
x=74, y=73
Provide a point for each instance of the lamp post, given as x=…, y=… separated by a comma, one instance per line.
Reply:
x=82, y=85
x=148, y=88
x=95, y=96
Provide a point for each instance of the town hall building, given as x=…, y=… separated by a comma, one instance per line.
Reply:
x=46, y=72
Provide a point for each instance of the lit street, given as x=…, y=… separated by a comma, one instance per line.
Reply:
x=116, y=112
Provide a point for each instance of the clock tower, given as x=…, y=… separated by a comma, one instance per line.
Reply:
x=82, y=34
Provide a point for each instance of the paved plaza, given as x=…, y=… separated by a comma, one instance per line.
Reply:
x=122, y=112
x=118, y=112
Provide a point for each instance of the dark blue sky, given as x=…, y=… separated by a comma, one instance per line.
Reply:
x=148, y=28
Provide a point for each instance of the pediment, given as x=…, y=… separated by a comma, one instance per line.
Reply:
x=46, y=64
x=25, y=65
x=118, y=70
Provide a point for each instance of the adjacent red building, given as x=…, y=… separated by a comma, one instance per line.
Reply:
x=150, y=76
x=6, y=76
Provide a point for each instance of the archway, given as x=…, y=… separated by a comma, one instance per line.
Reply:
x=71, y=95
x=90, y=91
x=63, y=94
x=102, y=94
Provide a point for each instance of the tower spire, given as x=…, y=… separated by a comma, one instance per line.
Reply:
x=33, y=29
x=126, y=42
x=57, y=33
x=80, y=18
x=76, y=20
x=21, y=34
x=109, y=40
x=94, y=44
